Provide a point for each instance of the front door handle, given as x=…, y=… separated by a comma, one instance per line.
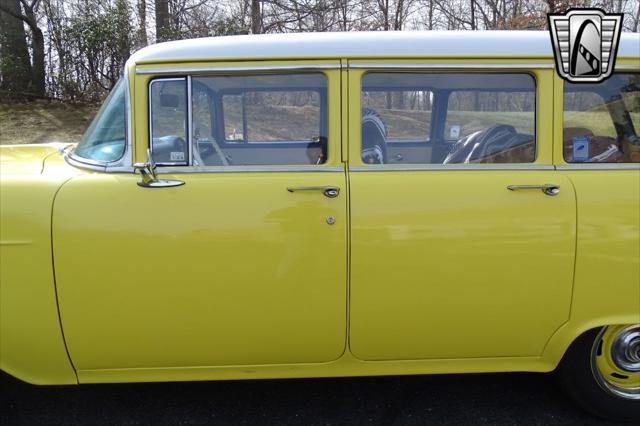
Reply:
x=328, y=191
x=547, y=188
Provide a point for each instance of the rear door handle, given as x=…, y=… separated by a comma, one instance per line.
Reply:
x=328, y=191
x=547, y=188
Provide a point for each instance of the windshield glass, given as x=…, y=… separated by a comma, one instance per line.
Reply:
x=104, y=140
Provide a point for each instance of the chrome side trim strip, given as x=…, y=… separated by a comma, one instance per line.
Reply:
x=234, y=68
x=412, y=167
x=84, y=164
x=239, y=169
x=449, y=65
x=599, y=166
x=96, y=167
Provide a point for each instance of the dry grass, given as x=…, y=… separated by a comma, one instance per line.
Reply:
x=41, y=122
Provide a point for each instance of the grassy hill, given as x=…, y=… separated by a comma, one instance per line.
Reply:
x=40, y=122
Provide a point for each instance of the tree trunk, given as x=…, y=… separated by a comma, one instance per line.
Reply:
x=473, y=14
x=37, y=49
x=162, y=20
x=15, y=64
x=38, y=72
x=256, y=17
x=142, y=16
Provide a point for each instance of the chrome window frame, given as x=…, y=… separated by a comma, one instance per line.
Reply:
x=225, y=69
x=241, y=169
x=187, y=82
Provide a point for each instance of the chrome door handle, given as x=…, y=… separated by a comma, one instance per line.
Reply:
x=328, y=191
x=547, y=188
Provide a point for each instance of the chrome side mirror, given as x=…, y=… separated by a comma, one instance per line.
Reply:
x=150, y=177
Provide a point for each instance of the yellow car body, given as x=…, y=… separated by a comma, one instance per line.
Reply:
x=230, y=276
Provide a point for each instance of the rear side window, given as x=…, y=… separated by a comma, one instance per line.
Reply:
x=463, y=118
x=601, y=121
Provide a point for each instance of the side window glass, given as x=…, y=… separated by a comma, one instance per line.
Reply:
x=470, y=111
x=105, y=138
x=406, y=113
x=203, y=116
x=601, y=121
x=168, y=124
x=234, y=118
x=463, y=118
x=262, y=119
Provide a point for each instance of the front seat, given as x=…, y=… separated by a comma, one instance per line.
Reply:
x=374, y=138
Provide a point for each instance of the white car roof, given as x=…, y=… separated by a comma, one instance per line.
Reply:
x=441, y=44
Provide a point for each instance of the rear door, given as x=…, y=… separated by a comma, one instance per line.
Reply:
x=467, y=248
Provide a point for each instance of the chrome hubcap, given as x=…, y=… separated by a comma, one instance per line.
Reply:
x=625, y=350
x=615, y=360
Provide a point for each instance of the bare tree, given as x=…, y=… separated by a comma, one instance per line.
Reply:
x=162, y=20
x=15, y=63
x=28, y=16
x=142, y=18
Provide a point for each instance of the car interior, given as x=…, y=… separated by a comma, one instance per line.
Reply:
x=424, y=118
x=599, y=121
x=432, y=118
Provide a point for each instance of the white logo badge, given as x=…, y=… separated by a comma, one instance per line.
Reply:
x=585, y=43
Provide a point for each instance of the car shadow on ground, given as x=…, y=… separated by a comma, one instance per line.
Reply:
x=515, y=399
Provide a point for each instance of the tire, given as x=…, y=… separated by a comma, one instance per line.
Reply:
x=579, y=374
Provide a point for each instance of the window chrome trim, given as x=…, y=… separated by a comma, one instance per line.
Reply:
x=234, y=68
x=412, y=167
x=190, y=145
x=96, y=166
x=238, y=169
x=599, y=166
x=450, y=65
x=127, y=158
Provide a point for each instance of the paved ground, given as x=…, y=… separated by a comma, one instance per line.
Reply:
x=511, y=399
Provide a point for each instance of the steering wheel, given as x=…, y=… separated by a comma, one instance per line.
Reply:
x=374, y=137
x=479, y=144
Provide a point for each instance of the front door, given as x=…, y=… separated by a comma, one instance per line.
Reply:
x=244, y=264
x=461, y=251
